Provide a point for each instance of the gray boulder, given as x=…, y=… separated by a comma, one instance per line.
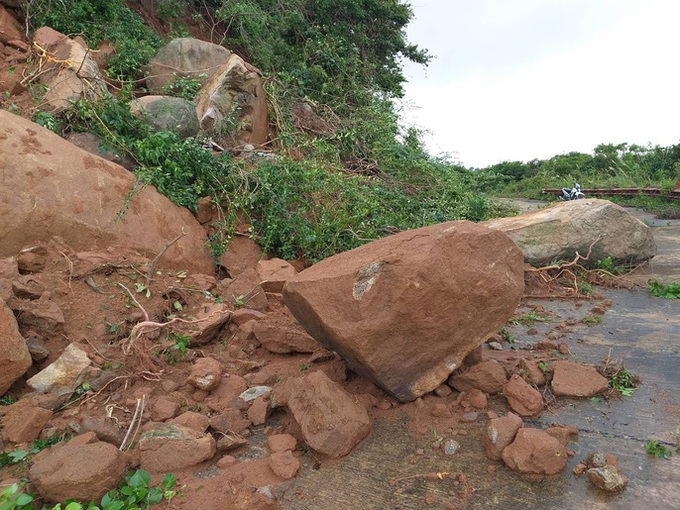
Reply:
x=165, y=113
x=184, y=57
x=557, y=232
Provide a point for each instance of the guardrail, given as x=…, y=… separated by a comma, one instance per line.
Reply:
x=655, y=192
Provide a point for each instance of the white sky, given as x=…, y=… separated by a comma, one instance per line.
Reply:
x=525, y=79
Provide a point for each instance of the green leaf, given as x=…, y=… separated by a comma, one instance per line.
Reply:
x=169, y=480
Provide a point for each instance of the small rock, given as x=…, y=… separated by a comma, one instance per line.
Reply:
x=164, y=409
x=532, y=373
x=62, y=376
x=563, y=348
x=258, y=411
x=226, y=461
x=383, y=405
x=230, y=420
x=500, y=432
x=470, y=417
x=562, y=434
x=230, y=441
x=254, y=392
x=440, y=410
x=32, y=260
x=442, y=390
x=532, y=331
x=284, y=464
x=535, y=452
x=575, y=380
x=211, y=318
x=330, y=420
x=488, y=376
x=598, y=310
x=495, y=346
x=475, y=398
x=171, y=447
x=281, y=443
x=545, y=345
x=21, y=423
x=579, y=469
x=607, y=478
x=196, y=421
x=451, y=446
x=524, y=399
x=206, y=374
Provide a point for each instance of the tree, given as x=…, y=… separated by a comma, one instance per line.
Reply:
x=340, y=52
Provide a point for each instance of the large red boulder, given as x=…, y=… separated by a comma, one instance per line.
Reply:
x=49, y=187
x=405, y=310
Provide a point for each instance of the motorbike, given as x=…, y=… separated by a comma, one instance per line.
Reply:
x=574, y=193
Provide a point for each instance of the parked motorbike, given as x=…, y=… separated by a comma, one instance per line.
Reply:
x=572, y=194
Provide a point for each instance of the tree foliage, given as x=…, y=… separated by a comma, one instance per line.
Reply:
x=334, y=51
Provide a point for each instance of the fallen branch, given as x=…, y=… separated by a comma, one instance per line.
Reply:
x=147, y=325
x=136, y=419
x=568, y=264
x=152, y=265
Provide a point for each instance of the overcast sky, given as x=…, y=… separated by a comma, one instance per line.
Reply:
x=525, y=79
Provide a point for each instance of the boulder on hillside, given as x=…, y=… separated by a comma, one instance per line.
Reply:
x=559, y=231
x=235, y=92
x=68, y=72
x=405, y=310
x=184, y=57
x=165, y=113
x=57, y=189
x=15, y=357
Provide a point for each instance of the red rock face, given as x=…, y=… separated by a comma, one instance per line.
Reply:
x=405, y=310
x=77, y=195
x=574, y=380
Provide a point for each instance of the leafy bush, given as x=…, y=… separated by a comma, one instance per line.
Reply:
x=670, y=291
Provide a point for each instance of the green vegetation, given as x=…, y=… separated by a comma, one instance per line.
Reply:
x=624, y=381
x=528, y=319
x=18, y=456
x=607, y=264
x=657, y=449
x=670, y=291
x=319, y=195
x=133, y=493
x=506, y=335
x=609, y=165
x=591, y=320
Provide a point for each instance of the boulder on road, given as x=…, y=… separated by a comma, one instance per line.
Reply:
x=559, y=231
x=58, y=189
x=405, y=310
x=184, y=57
